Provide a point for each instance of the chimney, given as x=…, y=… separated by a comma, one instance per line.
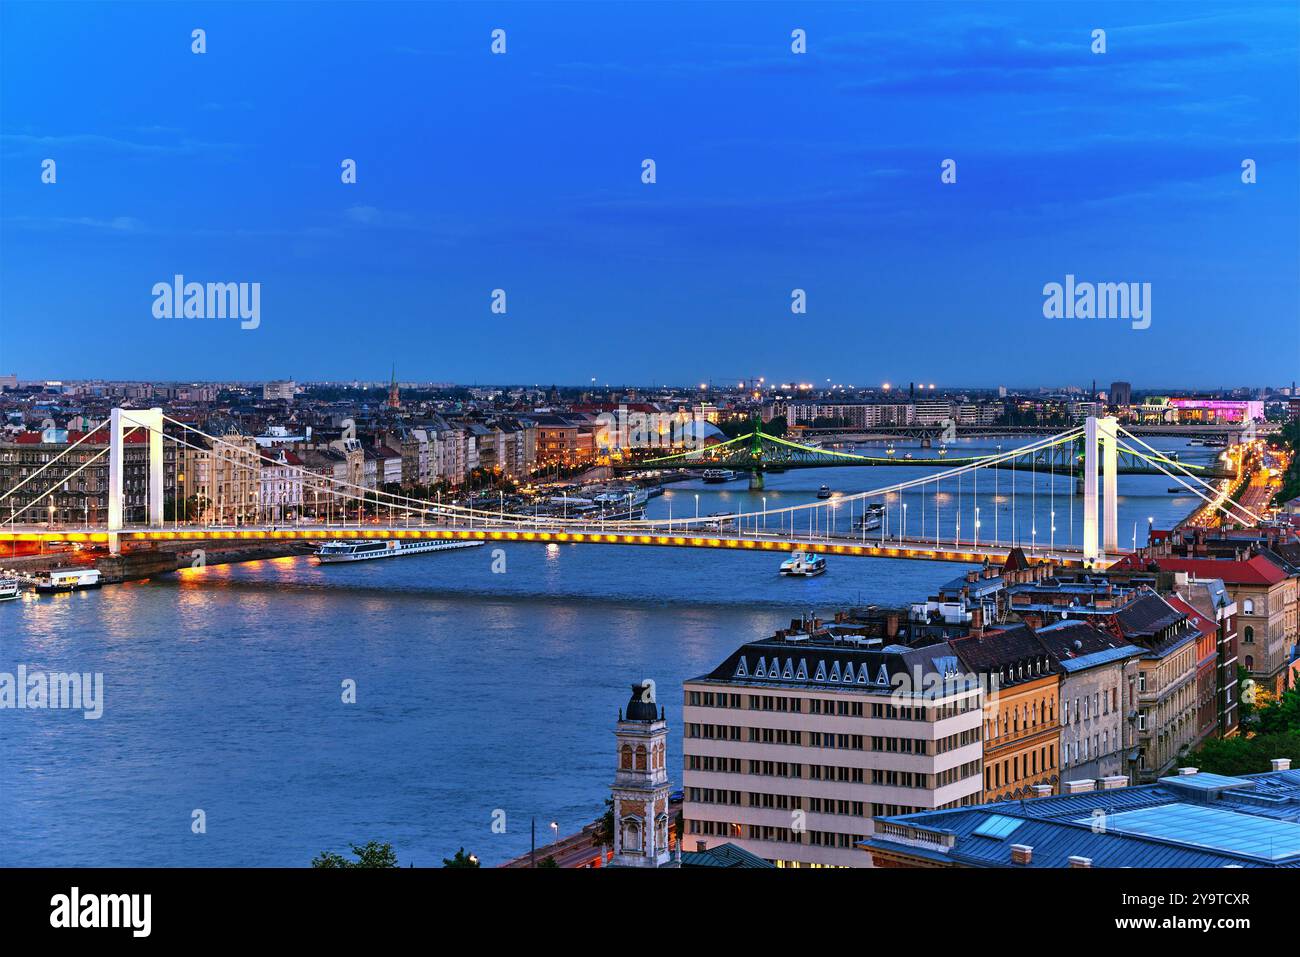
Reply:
x=977, y=622
x=972, y=577
x=1281, y=764
x=1042, y=790
x=1114, y=781
x=1077, y=861
x=1080, y=786
x=891, y=624
x=1022, y=854
x=1183, y=772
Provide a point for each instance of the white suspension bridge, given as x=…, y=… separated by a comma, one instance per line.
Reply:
x=341, y=509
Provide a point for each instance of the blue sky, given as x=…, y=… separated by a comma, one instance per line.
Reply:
x=775, y=171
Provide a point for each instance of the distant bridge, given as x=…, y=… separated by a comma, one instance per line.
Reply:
x=935, y=433
x=757, y=453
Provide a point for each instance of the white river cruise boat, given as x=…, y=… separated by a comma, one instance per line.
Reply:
x=8, y=588
x=330, y=552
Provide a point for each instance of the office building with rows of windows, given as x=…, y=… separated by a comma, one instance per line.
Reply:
x=794, y=743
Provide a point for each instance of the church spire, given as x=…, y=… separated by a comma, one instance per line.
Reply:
x=394, y=395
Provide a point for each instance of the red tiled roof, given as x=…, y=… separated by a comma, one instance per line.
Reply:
x=1206, y=626
x=1254, y=571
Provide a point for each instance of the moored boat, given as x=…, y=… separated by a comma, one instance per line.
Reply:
x=717, y=476
x=68, y=579
x=332, y=552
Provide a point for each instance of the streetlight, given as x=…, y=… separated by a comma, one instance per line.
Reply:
x=765, y=514
x=977, y=524
x=556, y=829
x=1150, y=522
x=1052, y=543
x=902, y=533
x=697, y=506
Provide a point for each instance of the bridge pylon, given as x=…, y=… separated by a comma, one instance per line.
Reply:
x=1100, y=441
x=119, y=421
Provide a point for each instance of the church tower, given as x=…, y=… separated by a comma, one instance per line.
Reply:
x=641, y=786
x=394, y=394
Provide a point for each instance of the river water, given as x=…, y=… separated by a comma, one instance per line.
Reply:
x=481, y=697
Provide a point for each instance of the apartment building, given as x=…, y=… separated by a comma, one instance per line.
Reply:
x=1266, y=599
x=853, y=415
x=1213, y=600
x=224, y=479
x=73, y=489
x=1095, y=670
x=1021, y=718
x=933, y=412
x=280, y=485
x=794, y=743
x=1164, y=687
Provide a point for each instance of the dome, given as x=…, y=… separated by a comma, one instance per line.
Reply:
x=700, y=432
x=639, y=709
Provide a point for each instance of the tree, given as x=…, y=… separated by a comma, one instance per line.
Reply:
x=1241, y=755
x=549, y=861
x=372, y=854
x=460, y=860
x=1281, y=715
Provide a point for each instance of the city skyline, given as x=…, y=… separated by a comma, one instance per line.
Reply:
x=775, y=172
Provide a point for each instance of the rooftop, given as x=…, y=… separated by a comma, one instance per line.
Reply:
x=1186, y=820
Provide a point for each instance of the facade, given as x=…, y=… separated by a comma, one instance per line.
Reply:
x=279, y=391
x=933, y=412
x=1095, y=671
x=1164, y=688
x=854, y=415
x=793, y=744
x=225, y=479
x=1266, y=598
x=281, y=484
x=1213, y=601
x=1021, y=720
x=77, y=483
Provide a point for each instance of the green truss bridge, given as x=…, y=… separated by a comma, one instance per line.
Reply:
x=758, y=453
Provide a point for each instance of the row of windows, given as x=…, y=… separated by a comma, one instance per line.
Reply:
x=970, y=769
x=830, y=706
x=1072, y=753
x=1011, y=770
x=1023, y=717
x=826, y=739
x=1101, y=703
x=783, y=835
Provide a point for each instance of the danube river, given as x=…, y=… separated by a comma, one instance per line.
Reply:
x=477, y=692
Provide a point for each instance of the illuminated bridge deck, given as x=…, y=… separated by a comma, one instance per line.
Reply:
x=913, y=548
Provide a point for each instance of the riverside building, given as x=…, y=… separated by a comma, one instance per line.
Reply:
x=793, y=744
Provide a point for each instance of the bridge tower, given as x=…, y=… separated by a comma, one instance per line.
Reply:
x=756, y=453
x=1100, y=439
x=121, y=420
